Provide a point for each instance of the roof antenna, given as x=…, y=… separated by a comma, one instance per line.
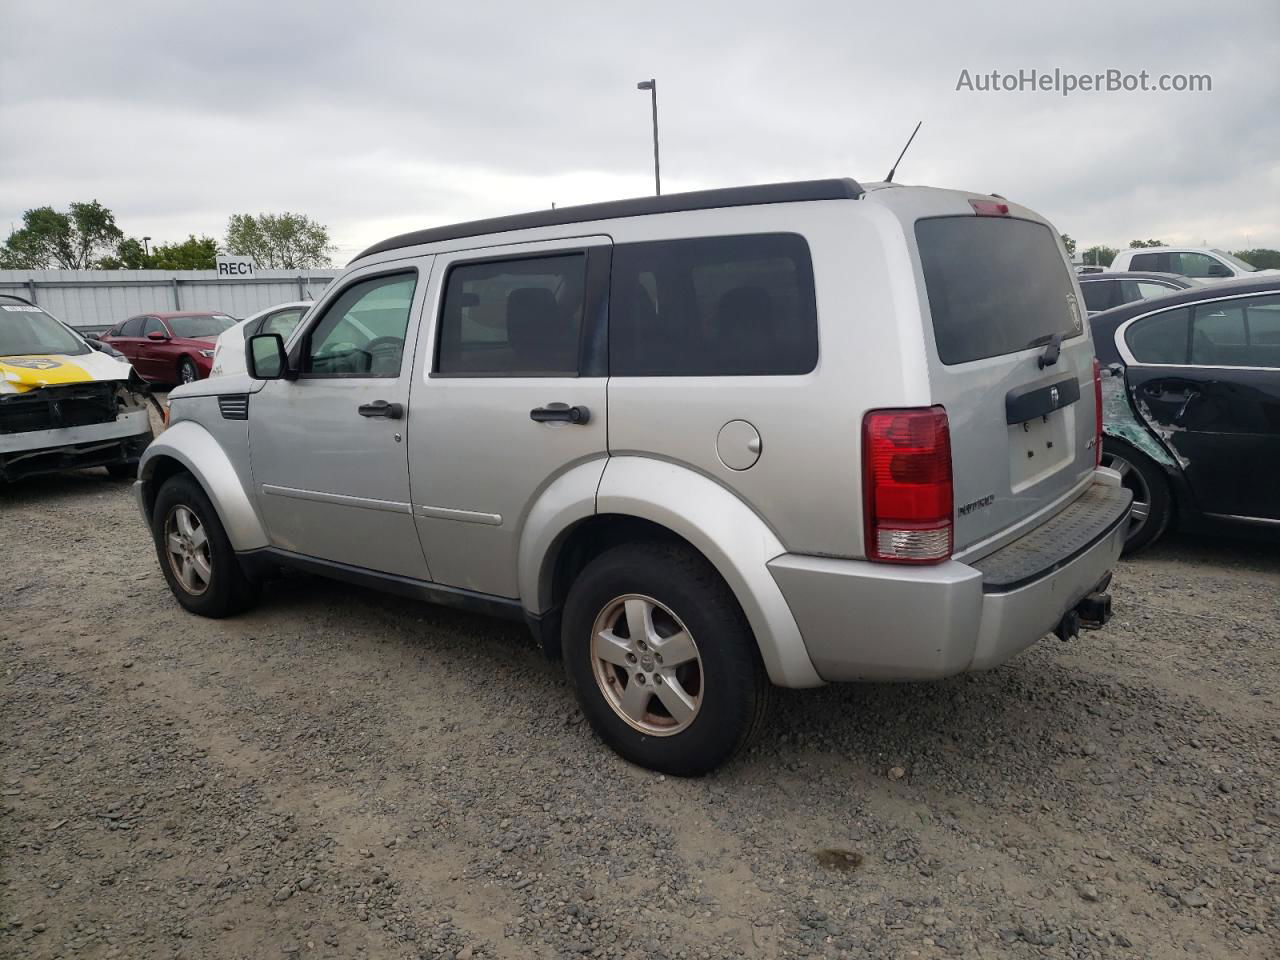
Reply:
x=894, y=168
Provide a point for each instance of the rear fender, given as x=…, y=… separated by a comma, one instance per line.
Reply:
x=192, y=446
x=730, y=535
x=1120, y=422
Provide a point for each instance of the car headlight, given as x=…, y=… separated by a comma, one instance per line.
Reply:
x=206, y=353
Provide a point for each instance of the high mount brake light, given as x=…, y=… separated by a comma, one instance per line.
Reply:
x=906, y=483
x=989, y=208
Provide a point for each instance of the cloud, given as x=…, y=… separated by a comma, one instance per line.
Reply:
x=380, y=117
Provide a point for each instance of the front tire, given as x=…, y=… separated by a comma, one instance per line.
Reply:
x=195, y=555
x=1152, y=500
x=662, y=660
x=187, y=372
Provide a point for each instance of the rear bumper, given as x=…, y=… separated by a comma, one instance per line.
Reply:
x=869, y=621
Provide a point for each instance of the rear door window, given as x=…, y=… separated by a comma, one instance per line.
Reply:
x=996, y=285
x=713, y=306
x=1099, y=294
x=1145, y=290
x=518, y=317
x=1160, y=338
x=1150, y=261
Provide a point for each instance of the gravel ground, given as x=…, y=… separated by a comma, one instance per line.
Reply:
x=345, y=774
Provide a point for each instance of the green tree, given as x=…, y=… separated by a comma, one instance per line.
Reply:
x=1264, y=258
x=1070, y=245
x=130, y=255
x=1139, y=244
x=1099, y=256
x=287, y=241
x=193, y=253
x=50, y=239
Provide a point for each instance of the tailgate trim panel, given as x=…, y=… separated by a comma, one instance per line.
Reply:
x=1027, y=403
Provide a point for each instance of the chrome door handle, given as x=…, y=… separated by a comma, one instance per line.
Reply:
x=380, y=408
x=560, y=412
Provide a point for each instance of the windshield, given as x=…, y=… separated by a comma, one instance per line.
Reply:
x=996, y=285
x=1236, y=262
x=29, y=331
x=209, y=325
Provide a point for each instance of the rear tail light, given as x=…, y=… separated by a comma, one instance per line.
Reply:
x=906, y=484
x=1097, y=413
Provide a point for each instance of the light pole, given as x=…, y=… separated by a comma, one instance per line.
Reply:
x=652, y=86
x=146, y=250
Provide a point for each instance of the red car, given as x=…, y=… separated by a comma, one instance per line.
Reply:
x=169, y=347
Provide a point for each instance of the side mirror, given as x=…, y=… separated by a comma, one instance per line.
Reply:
x=264, y=357
x=156, y=335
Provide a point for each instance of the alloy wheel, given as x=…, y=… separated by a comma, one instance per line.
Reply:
x=187, y=547
x=1131, y=479
x=646, y=664
x=187, y=372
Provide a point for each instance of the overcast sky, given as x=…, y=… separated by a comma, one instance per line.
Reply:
x=376, y=118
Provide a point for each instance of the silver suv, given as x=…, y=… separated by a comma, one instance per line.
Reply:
x=702, y=444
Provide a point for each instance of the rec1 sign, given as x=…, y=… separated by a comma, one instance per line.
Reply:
x=234, y=268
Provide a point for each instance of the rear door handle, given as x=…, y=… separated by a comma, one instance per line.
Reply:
x=381, y=408
x=560, y=412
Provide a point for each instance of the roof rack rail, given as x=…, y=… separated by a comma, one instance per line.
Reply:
x=798, y=191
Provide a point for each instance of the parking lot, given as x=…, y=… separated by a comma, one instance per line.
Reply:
x=346, y=774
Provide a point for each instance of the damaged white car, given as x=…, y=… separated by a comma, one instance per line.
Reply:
x=65, y=405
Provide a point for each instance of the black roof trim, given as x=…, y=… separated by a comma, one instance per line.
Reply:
x=800, y=190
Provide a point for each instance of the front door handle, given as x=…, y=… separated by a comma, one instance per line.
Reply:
x=560, y=412
x=380, y=408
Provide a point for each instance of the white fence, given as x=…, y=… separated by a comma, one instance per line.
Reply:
x=94, y=300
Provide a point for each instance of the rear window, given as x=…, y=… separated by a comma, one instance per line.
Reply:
x=996, y=285
x=713, y=306
x=209, y=325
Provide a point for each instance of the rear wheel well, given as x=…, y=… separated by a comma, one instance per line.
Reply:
x=582, y=544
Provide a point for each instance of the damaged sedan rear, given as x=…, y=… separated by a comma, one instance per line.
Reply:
x=63, y=404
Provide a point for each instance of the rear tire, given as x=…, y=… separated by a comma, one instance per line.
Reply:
x=712, y=676
x=195, y=555
x=1152, y=499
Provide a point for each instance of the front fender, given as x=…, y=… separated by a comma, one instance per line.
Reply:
x=196, y=449
x=730, y=535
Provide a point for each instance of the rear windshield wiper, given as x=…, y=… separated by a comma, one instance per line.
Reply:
x=1052, y=351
